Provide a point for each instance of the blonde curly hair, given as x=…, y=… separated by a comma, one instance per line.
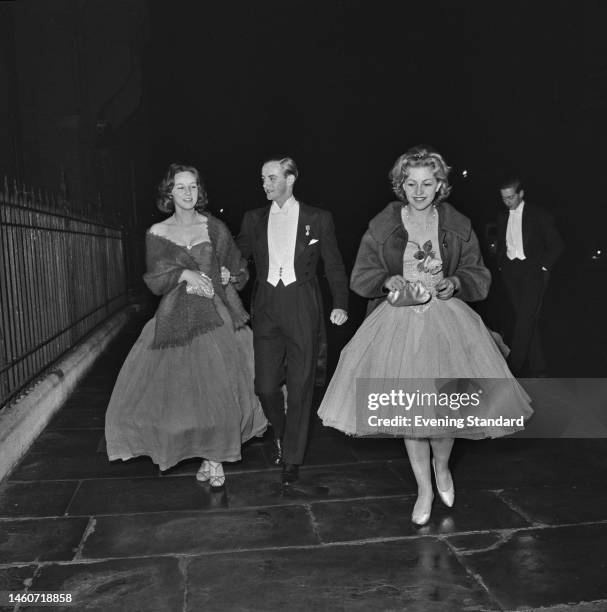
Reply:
x=418, y=157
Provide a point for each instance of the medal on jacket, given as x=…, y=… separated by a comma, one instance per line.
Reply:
x=307, y=230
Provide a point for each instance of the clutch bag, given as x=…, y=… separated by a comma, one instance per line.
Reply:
x=411, y=295
x=191, y=289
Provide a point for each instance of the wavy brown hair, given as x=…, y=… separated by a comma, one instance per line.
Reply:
x=164, y=201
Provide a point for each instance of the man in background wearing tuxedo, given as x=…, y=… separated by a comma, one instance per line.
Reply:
x=286, y=240
x=527, y=249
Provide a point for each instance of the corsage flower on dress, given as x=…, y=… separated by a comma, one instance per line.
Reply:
x=427, y=258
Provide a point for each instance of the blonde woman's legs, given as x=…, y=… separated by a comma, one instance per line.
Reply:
x=441, y=451
x=419, y=457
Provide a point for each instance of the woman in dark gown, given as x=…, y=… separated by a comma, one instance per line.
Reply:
x=186, y=388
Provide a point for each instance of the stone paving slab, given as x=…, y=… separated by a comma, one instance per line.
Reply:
x=373, y=449
x=419, y=575
x=84, y=418
x=560, y=505
x=542, y=567
x=93, y=400
x=121, y=585
x=130, y=495
x=67, y=443
x=315, y=484
x=122, y=536
x=198, y=532
x=76, y=467
x=353, y=520
x=13, y=578
x=52, y=539
x=329, y=450
x=28, y=499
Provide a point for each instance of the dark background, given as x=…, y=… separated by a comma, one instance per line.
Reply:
x=346, y=86
x=100, y=96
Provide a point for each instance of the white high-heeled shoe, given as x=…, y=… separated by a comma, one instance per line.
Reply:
x=419, y=517
x=447, y=496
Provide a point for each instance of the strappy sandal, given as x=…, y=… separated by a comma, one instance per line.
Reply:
x=217, y=478
x=204, y=473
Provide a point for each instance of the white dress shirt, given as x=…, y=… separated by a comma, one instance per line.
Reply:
x=514, y=233
x=282, y=235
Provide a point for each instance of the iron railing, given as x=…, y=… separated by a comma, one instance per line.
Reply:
x=60, y=277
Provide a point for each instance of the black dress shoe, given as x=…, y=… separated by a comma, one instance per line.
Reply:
x=277, y=452
x=290, y=473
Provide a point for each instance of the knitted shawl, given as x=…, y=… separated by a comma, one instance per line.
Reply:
x=182, y=316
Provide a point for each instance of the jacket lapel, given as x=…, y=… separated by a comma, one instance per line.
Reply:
x=261, y=237
x=395, y=240
x=526, y=227
x=302, y=240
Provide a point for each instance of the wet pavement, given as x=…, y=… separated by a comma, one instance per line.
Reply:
x=528, y=530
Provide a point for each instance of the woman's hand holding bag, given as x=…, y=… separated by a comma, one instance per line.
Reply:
x=410, y=295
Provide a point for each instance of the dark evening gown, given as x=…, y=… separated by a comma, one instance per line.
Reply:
x=187, y=401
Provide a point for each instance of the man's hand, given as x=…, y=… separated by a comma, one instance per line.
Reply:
x=338, y=316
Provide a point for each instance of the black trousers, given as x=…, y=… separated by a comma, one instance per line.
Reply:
x=525, y=284
x=285, y=336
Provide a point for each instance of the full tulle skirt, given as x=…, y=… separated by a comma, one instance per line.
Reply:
x=442, y=340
